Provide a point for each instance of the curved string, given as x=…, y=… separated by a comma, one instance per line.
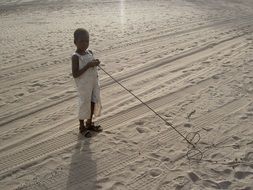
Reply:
x=194, y=154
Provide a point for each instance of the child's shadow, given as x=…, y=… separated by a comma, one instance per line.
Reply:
x=82, y=171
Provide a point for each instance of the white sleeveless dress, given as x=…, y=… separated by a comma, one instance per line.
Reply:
x=88, y=88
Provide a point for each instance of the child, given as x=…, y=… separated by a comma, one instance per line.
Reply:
x=84, y=70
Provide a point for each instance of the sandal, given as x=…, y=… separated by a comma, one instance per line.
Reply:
x=85, y=131
x=93, y=127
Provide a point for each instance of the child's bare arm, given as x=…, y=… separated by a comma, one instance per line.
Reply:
x=75, y=66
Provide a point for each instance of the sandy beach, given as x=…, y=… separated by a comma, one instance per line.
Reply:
x=191, y=61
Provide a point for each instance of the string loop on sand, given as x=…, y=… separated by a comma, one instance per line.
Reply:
x=194, y=154
x=192, y=138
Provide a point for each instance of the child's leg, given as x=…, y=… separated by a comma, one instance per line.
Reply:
x=89, y=121
x=89, y=124
x=81, y=123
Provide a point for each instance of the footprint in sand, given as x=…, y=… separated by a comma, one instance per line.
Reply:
x=19, y=95
x=194, y=177
x=155, y=155
x=187, y=125
x=155, y=172
x=217, y=156
x=36, y=84
x=211, y=184
x=118, y=186
x=141, y=129
x=224, y=184
x=55, y=97
x=249, y=157
x=236, y=137
x=243, y=116
x=242, y=174
x=206, y=62
x=215, y=77
x=181, y=180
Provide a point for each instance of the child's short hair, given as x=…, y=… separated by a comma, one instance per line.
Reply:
x=78, y=32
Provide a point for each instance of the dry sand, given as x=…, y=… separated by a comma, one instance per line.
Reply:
x=190, y=60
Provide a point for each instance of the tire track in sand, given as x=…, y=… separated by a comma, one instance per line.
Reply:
x=43, y=61
x=190, y=55
x=216, y=115
x=116, y=161
x=61, y=112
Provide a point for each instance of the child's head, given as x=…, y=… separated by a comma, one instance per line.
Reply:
x=81, y=39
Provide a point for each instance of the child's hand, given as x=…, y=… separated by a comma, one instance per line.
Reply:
x=94, y=63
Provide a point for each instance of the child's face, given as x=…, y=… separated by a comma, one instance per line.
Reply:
x=82, y=42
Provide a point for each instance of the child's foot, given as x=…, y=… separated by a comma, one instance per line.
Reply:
x=84, y=131
x=93, y=127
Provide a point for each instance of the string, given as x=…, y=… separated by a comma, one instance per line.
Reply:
x=167, y=123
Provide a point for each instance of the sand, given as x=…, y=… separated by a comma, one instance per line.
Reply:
x=189, y=60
